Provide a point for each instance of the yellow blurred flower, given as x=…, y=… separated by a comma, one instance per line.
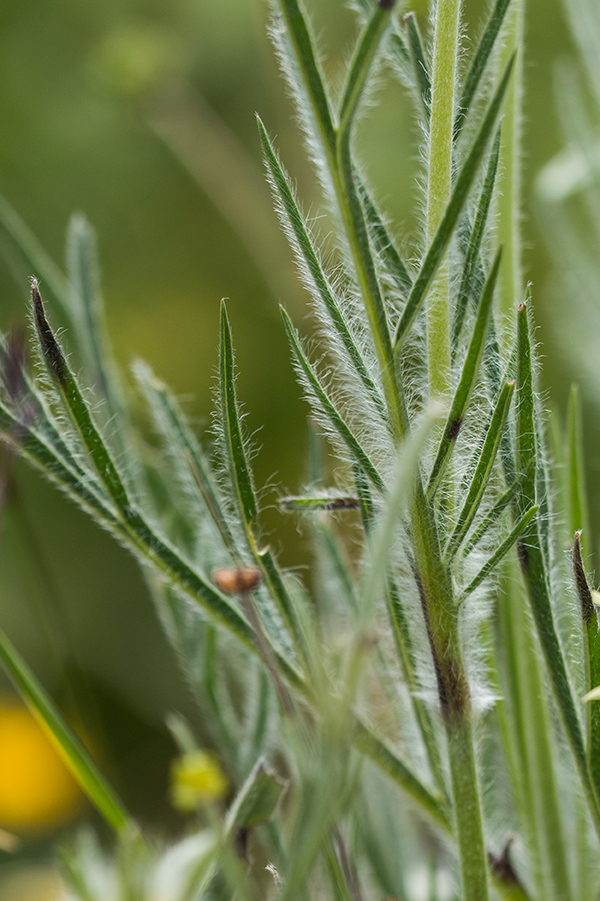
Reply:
x=197, y=780
x=37, y=792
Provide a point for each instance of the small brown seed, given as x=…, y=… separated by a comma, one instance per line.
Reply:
x=236, y=581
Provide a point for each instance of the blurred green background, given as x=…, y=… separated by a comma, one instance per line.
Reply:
x=141, y=115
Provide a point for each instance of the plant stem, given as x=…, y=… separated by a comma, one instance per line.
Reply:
x=441, y=617
x=445, y=51
x=463, y=773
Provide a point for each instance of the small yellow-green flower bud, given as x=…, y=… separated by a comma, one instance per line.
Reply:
x=197, y=780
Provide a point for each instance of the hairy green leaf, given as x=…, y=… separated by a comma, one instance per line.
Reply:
x=467, y=379
x=458, y=198
x=357, y=453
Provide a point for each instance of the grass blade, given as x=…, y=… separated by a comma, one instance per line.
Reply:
x=71, y=749
x=472, y=255
x=357, y=453
x=307, y=253
x=467, y=379
x=483, y=470
x=458, y=198
x=479, y=63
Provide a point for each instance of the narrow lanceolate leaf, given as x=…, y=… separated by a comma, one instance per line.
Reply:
x=77, y=406
x=458, y=198
x=133, y=532
x=241, y=480
x=501, y=551
x=381, y=538
x=353, y=217
x=239, y=470
x=494, y=514
x=307, y=252
x=360, y=65
x=480, y=61
x=472, y=255
x=530, y=744
x=357, y=453
x=377, y=750
x=77, y=483
x=183, y=444
x=299, y=36
x=483, y=470
x=383, y=243
x=419, y=63
x=88, y=316
x=70, y=748
x=589, y=616
x=533, y=564
x=400, y=52
x=30, y=410
x=467, y=378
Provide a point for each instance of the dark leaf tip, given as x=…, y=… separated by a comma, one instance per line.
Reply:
x=502, y=866
x=588, y=611
x=523, y=555
x=50, y=347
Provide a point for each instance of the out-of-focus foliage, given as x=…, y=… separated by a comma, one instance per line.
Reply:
x=141, y=115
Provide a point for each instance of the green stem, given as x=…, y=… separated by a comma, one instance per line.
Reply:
x=463, y=773
x=445, y=54
x=441, y=618
x=432, y=576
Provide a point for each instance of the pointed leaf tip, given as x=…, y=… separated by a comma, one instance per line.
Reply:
x=50, y=347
